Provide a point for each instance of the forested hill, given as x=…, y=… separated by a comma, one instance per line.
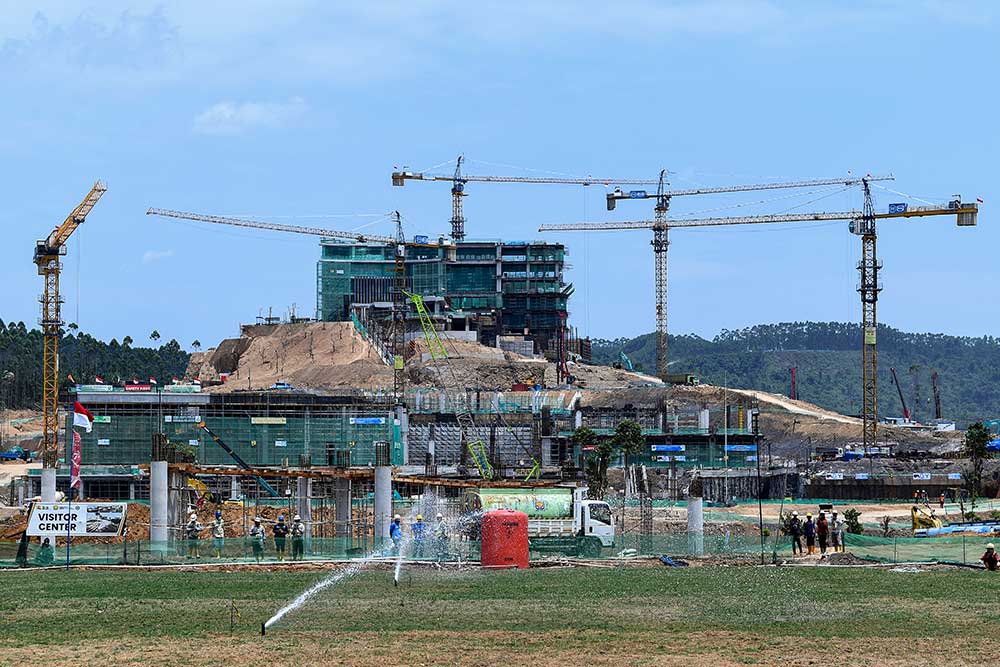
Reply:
x=81, y=356
x=828, y=358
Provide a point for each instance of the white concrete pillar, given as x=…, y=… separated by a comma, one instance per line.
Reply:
x=48, y=485
x=342, y=497
x=403, y=419
x=159, y=521
x=303, y=492
x=703, y=420
x=235, y=488
x=696, y=526
x=383, y=501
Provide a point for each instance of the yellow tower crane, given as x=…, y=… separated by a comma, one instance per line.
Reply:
x=47, y=254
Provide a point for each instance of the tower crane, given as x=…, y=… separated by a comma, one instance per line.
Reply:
x=661, y=227
x=937, y=395
x=397, y=241
x=862, y=223
x=46, y=258
x=458, y=181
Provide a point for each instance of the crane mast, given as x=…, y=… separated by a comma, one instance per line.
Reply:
x=46, y=258
x=868, y=288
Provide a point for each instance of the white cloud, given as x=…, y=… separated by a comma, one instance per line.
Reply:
x=237, y=118
x=151, y=256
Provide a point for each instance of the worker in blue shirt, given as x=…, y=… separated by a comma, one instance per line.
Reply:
x=419, y=530
x=396, y=534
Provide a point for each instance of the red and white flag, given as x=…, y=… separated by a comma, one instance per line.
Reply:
x=82, y=417
x=75, y=459
x=98, y=379
x=152, y=380
x=69, y=376
x=175, y=379
x=135, y=380
x=197, y=381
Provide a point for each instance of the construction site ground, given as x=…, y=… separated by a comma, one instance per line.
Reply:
x=717, y=616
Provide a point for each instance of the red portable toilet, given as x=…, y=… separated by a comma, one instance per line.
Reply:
x=504, y=539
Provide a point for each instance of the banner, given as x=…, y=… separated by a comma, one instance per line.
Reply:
x=268, y=421
x=80, y=519
x=74, y=468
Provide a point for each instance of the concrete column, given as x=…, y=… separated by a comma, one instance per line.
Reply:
x=430, y=444
x=303, y=491
x=703, y=420
x=235, y=488
x=159, y=518
x=131, y=490
x=342, y=497
x=48, y=485
x=383, y=501
x=696, y=526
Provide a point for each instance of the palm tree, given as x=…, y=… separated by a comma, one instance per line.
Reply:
x=127, y=340
x=196, y=344
x=155, y=336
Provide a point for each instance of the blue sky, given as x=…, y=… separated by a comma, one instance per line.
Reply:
x=299, y=114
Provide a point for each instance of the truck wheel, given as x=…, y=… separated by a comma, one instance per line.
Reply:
x=590, y=548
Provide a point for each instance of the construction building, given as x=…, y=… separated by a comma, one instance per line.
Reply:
x=494, y=288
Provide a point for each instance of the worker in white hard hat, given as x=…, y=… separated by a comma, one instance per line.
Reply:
x=990, y=559
x=396, y=533
x=419, y=530
x=795, y=532
x=441, y=537
x=298, y=537
x=218, y=533
x=193, y=533
x=257, y=538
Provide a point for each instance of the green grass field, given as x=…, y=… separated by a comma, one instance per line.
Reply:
x=638, y=615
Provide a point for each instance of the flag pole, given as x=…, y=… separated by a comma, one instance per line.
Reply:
x=69, y=511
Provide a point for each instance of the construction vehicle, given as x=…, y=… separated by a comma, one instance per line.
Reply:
x=895, y=380
x=467, y=423
x=861, y=223
x=238, y=459
x=623, y=362
x=46, y=258
x=17, y=454
x=937, y=396
x=924, y=518
x=560, y=518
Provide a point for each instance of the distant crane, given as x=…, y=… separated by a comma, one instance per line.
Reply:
x=46, y=258
x=937, y=395
x=458, y=181
x=795, y=390
x=661, y=227
x=906, y=411
x=862, y=223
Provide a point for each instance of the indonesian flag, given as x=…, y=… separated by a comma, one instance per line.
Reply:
x=152, y=380
x=82, y=417
x=175, y=380
x=75, y=459
x=197, y=381
x=135, y=380
x=98, y=379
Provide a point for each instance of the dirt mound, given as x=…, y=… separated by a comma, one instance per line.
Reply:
x=313, y=355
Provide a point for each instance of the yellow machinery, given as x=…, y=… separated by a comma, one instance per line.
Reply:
x=922, y=518
x=47, y=254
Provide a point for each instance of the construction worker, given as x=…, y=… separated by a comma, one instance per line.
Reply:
x=193, y=533
x=836, y=532
x=257, y=537
x=45, y=555
x=419, y=529
x=941, y=500
x=280, y=532
x=809, y=530
x=822, y=532
x=396, y=534
x=298, y=537
x=441, y=535
x=795, y=531
x=218, y=534
x=990, y=559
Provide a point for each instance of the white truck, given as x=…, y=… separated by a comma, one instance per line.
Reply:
x=560, y=518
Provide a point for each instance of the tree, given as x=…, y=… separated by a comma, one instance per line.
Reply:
x=196, y=344
x=155, y=336
x=597, y=461
x=629, y=439
x=977, y=437
x=127, y=340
